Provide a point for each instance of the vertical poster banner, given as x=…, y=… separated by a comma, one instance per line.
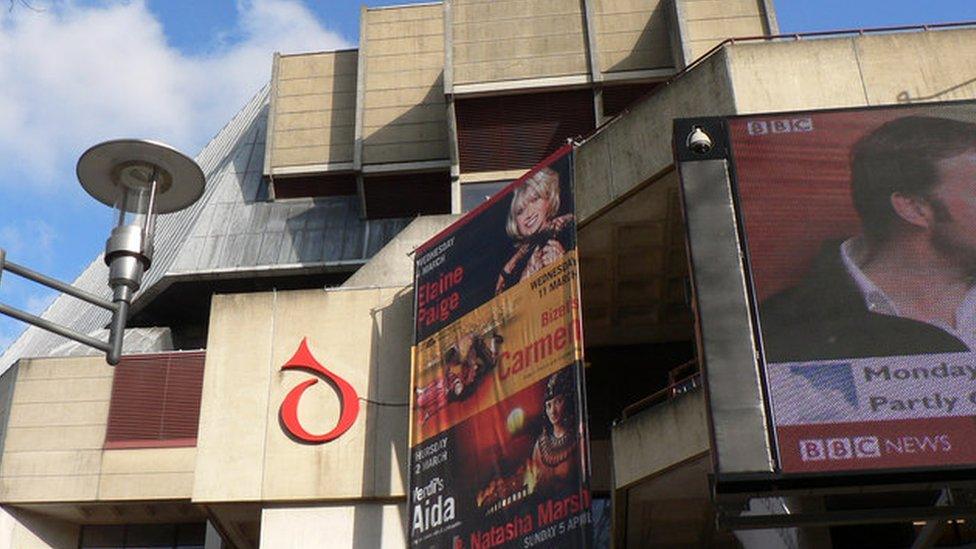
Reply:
x=498, y=445
x=861, y=233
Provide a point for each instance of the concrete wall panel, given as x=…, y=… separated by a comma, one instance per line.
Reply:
x=54, y=435
x=309, y=103
x=147, y=473
x=39, y=414
x=826, y=75
x=512, y=40
x=69, y=463
x=720, y=9
x=63, y=368
x=344, y=340
x=361, y=335
x=479, y=11
x=374, y=525
x=306, y=138
x=41, y=391
x=502, y=28
x=392, y=153
x=388, y=70
x=235, y=401
x=404, y=115
x=404, y=97
x=27, y=489
x=8, y=382
x=421, y=24
x=421, y=44
x=300, y=155
x=381, y=116
x=324, y=86
x=681, y=422
x=311, y=65
x=145, y=486
x=632, y=34
x=80, y=437
x=553, y=46
x=854, y=71
x=918, y=67
x=716, y=30
x=491, y=71
x=340, y=120
x=708, y=22
x=313, y=109
x=406, y=133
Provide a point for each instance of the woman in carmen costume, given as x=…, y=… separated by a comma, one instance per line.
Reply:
x=541, y=237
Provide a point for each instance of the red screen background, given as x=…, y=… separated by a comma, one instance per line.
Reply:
x=794, y=189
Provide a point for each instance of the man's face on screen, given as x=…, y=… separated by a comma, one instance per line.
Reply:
x=953, y=201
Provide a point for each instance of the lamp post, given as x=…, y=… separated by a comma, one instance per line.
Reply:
x=138, y=179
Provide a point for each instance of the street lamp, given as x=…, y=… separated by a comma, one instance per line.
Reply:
x=138, y=179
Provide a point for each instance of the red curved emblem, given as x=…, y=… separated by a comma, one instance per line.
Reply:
x=348, y=399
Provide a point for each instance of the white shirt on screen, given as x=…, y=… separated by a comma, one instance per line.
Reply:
x=878, y=302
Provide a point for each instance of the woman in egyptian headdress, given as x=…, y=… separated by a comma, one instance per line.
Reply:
x=554, y=466
x=555, y=456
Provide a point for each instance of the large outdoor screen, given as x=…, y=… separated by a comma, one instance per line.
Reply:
x=498, y=442
x=860, y=232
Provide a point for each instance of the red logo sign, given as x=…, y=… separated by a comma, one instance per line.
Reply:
x=348, y=399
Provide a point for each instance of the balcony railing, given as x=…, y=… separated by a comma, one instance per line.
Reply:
x=681, y=380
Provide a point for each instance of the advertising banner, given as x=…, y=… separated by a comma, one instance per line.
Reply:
x=860, y=230
x=499, y=454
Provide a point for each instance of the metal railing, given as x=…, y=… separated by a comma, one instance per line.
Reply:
x=683, y=379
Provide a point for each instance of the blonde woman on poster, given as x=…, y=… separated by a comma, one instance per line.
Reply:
x=541, y=236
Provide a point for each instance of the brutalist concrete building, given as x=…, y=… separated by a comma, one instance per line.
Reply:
x=317, y=192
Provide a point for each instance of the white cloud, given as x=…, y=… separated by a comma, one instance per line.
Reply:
x=29, y=240
x=73, y=75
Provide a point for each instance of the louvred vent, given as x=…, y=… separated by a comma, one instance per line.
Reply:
x=616, y=99
x=156, y=401
x=315, y=185
x=518, y=131
x=407, y=194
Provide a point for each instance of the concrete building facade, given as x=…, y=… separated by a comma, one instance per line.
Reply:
x=296, y=263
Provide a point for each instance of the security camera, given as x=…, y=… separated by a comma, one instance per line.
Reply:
x=698, y=141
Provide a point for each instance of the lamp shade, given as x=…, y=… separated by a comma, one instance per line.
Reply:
x=108, y=169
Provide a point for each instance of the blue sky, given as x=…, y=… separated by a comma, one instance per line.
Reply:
x=79, y=72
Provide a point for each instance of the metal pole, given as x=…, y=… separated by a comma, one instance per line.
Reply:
x=55, y=328
x=56, y=284
x=150, y=228
x=120, y=309
x=929, y=535
x=116, y=331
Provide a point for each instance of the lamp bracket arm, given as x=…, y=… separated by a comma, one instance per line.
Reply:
x=55, y=284
x=119, y=309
